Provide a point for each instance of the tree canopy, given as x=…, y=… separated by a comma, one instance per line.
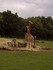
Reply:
x=11, y=25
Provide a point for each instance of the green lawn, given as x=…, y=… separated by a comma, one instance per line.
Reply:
x=11, y=60
x=43, y=43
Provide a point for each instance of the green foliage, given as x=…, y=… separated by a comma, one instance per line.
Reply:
x=1, y=16
x=11, y=25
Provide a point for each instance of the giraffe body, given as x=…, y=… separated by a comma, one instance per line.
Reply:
x=29, y=38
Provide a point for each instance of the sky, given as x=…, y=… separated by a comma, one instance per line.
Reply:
x=28, y=8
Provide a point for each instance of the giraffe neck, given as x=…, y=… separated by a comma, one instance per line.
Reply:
x=28, y=28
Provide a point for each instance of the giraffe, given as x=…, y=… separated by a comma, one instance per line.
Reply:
x=29, y=38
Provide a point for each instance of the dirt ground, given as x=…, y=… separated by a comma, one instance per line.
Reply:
x=4, y=46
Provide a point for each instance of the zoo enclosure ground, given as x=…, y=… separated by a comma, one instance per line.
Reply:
x=25, y=60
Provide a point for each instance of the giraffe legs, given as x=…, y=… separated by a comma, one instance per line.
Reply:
x=29, y=44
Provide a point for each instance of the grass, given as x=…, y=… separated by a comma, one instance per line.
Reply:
x=12, y=60
x=26, y=60
x=44, y=43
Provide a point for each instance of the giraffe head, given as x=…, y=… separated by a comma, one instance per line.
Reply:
x=30, y=22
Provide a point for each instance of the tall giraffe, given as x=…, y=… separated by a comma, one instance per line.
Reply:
x=29, y=38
